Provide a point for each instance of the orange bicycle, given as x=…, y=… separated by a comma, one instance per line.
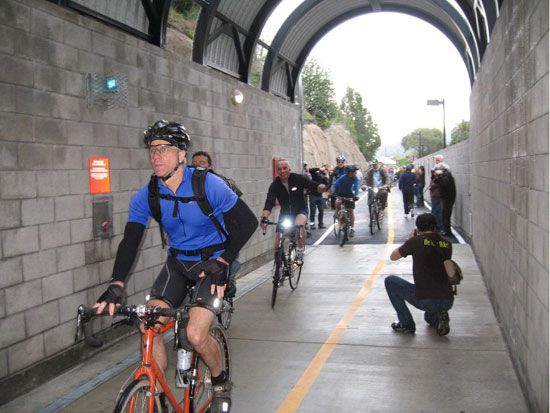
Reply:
x=141, y=394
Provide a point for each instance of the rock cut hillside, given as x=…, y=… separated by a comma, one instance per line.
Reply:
x=322, y=146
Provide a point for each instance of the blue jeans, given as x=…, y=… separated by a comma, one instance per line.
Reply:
x=400, y=291
x=436, y=210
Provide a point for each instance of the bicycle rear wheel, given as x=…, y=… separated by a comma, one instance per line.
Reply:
x=202, y=391
x=135, y=397
x=277, y=276
x=295, y=270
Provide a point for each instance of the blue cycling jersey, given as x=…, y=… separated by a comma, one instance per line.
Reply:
x=190, y=229
x=345, y=185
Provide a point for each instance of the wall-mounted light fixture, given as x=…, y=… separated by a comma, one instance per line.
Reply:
x=237, y=98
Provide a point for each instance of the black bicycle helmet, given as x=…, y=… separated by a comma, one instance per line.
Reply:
x=351, y=168
x=172, y=132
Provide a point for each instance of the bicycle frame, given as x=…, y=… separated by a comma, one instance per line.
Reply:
x=150, y=368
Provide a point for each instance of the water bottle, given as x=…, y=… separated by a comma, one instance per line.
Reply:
x=183, y=365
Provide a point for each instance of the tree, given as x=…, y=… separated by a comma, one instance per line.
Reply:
x=432, y=141
x=183, y=6
x=460, y=132
x=318, y=93
x=359, y=122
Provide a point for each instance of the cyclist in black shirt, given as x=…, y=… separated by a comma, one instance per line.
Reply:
x=288, y=189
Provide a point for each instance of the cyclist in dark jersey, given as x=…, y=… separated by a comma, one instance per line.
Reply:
x=288, y=189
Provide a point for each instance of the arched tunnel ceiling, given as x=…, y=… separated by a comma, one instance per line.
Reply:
x=229, y=30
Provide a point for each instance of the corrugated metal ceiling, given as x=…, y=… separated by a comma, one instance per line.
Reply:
x=227, y=29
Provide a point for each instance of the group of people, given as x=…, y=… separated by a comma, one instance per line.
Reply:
x=203, y=246
x=412, y=181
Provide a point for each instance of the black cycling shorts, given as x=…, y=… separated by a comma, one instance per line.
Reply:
x=348, y=204
x=175, y=279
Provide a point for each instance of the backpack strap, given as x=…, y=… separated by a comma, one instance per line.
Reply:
x=199, y=192
x=154, y=205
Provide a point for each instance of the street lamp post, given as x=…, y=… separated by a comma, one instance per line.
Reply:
x=435, y=102
x=419, y=143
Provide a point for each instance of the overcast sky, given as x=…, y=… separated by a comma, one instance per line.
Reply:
x=396, y=62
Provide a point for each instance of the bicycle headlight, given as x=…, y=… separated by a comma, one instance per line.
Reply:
x=375, y=190
x=286, y=223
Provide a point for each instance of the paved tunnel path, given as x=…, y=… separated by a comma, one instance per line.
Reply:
x=328, y=346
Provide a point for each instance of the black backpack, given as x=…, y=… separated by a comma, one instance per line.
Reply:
x=199, y=195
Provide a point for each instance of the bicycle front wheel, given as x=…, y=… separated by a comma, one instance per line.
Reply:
x=335, y=226
x=345, y=231
x=202, y=392
x=295, y=270
x=135, y=397
x=226, y=313
x=371, y=219
x=277, y=276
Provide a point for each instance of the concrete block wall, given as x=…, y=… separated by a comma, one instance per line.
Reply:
x=509, y=185
x=49, y=260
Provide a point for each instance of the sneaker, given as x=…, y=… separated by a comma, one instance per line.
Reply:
x=400, y=329
x=443, y=324
x=406, y=216
x=221, y=403
x=351, y=232
x=312, y=225
x=299, y=259
x=321, y=226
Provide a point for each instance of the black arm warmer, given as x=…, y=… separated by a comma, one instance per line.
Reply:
x=240, y=224
x=127, y=251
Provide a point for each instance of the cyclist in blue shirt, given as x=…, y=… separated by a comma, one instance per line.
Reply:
x=199, y=252
x=347, y=186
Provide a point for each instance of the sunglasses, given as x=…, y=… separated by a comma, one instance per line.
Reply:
x=161, y=149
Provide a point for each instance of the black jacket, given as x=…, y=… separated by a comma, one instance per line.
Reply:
x=447, y=186
x=316, y=177
x=292, y=200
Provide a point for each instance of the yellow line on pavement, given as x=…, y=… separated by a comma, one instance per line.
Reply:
x=297, y=394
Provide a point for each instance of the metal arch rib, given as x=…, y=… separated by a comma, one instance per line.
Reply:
x=251, y=41
x=204, y=25
x=157, y=13
x=244, y=50
x=491, y=11
x=274, y=60
x=464, y=28
x=482, y=36
x=300, y=60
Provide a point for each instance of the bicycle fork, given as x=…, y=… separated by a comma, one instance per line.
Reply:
x=153, y=372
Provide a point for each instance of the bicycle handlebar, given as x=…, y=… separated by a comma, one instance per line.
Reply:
x=343, y=198
x=283, y=230
x=86, y=314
